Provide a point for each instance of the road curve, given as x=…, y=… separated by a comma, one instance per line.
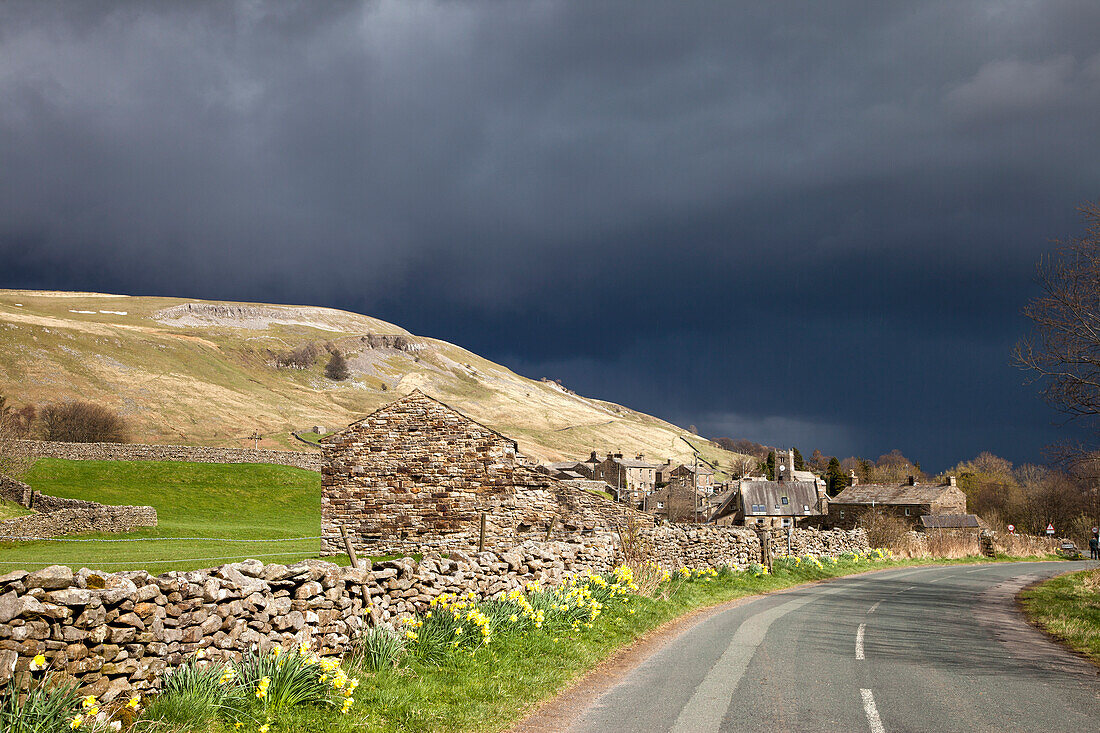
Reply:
x=916, y=649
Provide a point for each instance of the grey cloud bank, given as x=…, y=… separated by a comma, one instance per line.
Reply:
x=822, y=213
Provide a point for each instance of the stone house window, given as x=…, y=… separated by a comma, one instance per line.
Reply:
x=660, y=505
x=907, y=511
x=786, y=521
x=785, y=501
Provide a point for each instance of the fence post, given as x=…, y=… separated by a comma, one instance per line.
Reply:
x=348, y=547
x=550, y=528
x=355, y=564
x=481, y=535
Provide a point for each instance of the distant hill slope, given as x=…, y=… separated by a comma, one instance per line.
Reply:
x=201, y=373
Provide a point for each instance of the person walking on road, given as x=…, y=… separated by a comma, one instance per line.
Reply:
x=1094, y=548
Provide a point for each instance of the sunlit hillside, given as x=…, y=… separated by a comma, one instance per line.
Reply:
x=203, y=373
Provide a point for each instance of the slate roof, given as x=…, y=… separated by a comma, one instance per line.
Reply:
x=949, y=521
x=891, y=494
x=770, y=494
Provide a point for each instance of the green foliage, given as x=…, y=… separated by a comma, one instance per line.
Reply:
x=194, y=694
x=799, y=464
x=46, y=708
x=769, y=466
x=281, y=680
x=378, y=648
x=835, y=480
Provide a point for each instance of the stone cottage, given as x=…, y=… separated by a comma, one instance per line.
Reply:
x=418, y=475
x=632, y=478
x=909, y=501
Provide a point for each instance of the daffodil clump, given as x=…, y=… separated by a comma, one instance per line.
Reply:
x=281, y=679
x=690, y=575
x=457, y=622
x=757, y=570
x=52, y=704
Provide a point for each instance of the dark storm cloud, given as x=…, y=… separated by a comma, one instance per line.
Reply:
x=810, y=222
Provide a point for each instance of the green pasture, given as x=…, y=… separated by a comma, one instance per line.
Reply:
x=219, y=501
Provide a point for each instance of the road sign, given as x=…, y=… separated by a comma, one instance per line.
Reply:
x=1050, y=529
x=1012, y=528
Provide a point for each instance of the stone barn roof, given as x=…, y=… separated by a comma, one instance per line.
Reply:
x=893, y=494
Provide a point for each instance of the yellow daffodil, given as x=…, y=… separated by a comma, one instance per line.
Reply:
x=135, y=703
x=77, y=721
x=39, y=662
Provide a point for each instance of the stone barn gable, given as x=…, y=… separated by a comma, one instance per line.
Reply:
x=417, y=474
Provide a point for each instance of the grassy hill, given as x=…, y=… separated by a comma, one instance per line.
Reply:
x=202, y=373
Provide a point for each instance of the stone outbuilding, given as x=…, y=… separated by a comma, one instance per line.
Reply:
x=418, y=475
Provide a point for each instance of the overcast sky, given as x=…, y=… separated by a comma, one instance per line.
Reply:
x=809, y=223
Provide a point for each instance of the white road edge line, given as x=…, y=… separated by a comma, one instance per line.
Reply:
x=872, y=608
x=872, y=712
x=859, y=641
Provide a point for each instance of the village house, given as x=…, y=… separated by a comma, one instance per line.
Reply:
x=632, y=479
x=686, y=474
x=677, y=501
x=909, y=500
x=418, y=475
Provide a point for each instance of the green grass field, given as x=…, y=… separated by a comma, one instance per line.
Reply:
x=232, y=501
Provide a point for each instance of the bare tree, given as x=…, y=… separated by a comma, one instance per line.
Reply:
x=75, y=421
x=1064, y=352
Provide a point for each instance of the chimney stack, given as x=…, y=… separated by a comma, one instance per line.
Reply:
x=852, y=478
x=912, y=480
x=790, y=462
x=594, y=458
x=951, y=481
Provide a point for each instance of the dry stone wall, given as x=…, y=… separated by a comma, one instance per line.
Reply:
x=97, y=518
x=309, y=460
x=710, y=546
x=117, y=632
x=55, y=516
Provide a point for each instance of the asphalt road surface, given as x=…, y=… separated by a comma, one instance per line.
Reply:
x=919, y=649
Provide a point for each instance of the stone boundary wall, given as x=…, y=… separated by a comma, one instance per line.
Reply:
x=17, y=491
x=695, y=546
x=117, y=632
x=97, y=518
x=56, y=516
x=309, y=460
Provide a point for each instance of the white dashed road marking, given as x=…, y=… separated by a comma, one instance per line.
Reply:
x=872, y=712
x=872, y=608
x=859, y=641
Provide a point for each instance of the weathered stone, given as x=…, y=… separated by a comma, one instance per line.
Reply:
x=70, y=597
x=53, y=577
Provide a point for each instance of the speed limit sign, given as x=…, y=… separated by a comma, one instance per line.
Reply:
x=1012, y=528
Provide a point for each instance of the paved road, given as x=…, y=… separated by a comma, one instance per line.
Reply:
x=922, y=649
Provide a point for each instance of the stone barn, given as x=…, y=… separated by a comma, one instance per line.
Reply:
x=417, y=475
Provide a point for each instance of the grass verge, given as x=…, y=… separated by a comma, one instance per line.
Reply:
x=1068, y=608
x=487, y=688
